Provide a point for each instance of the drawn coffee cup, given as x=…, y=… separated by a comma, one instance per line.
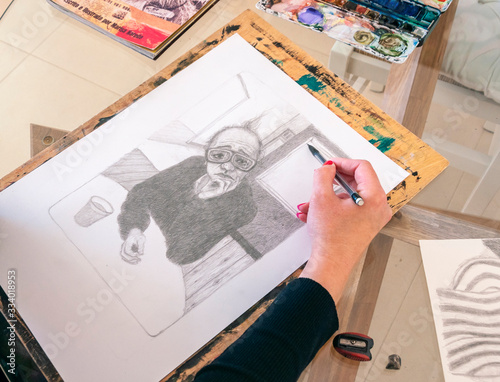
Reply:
x=94, y=210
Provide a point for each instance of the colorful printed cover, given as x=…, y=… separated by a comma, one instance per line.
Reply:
x=144, y=25
x=379, y=40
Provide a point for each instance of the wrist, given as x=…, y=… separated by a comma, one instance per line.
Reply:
x=331, y=273
x=340, y=256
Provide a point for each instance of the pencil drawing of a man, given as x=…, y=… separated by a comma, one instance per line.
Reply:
x=195, y=203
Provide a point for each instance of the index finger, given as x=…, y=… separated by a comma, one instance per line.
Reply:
x=362, y=172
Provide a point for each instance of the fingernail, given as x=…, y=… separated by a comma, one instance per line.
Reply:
x=328, y=163
x=298, y=213
x=301, y=204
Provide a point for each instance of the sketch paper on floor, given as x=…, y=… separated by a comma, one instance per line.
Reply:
x=172, y=219
x=463, y=277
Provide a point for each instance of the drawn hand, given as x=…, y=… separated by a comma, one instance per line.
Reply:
x=339, y=229
x=133, y=247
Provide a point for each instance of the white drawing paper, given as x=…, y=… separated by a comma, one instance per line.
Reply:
x=463, y=277
x=122, y=258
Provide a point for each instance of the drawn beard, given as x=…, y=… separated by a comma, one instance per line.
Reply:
x=216, y=187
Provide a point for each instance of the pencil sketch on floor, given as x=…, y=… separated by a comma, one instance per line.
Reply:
x=467, y=310
x=202, y=200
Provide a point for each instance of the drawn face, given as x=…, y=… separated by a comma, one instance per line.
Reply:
x=232, y=154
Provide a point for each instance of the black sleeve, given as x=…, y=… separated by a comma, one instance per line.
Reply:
x=282, y=342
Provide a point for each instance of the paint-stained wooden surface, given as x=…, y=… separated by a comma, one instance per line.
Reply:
x=421, y=162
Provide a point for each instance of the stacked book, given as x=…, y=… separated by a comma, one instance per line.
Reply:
x=147, y=26
x=390, y=29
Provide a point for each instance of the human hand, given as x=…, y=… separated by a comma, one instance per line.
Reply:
x=133, y=247
x=339, y=229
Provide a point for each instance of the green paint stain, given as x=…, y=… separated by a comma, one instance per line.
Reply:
x=370, y=130
x=380, y=142
x=159, y=81
x=103, y=120
x=319, y=87
x=276, y=62
x=379, y=124
x=337, y=103
x=311, y=82
x=184, y=64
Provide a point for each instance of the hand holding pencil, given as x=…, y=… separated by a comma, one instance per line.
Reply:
x=338, y=178
x=340, y=230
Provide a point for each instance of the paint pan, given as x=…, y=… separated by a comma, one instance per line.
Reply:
x=349, y=24
x=417, y=19
x=389, y=29
x=404, y=10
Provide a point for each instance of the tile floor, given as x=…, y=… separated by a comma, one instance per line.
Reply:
x=56, y=72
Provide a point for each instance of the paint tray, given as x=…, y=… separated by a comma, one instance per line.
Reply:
x=388, y=29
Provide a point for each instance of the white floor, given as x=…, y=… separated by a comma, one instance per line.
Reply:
x=56, y=72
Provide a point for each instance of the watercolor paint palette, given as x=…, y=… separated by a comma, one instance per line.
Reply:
x=389, y=29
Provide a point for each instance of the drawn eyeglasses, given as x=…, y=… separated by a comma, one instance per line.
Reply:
x=240, y=161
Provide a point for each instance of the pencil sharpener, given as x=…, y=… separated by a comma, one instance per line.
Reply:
x=354, y=346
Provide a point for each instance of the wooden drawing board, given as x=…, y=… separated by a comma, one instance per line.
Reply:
x=421, y=162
